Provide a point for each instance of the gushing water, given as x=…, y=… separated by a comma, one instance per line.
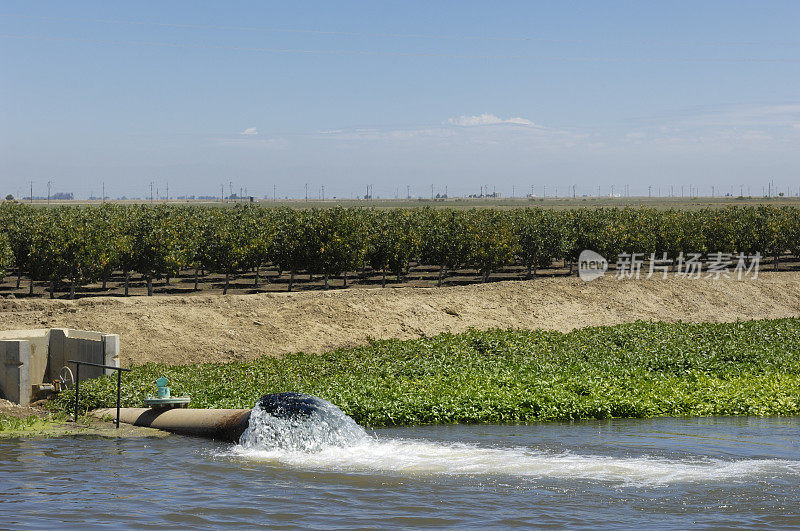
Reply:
x=293, y=422
x=306, y=432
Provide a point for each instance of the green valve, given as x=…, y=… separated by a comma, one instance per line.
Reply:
x=163, y=389
x=164, y=400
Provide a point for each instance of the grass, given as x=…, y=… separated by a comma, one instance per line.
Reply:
x=35, y=426
x=643, y=369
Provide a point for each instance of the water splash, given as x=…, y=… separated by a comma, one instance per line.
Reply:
x=294, y=422
x=306, y=432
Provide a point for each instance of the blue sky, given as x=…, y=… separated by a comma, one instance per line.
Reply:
x=452, y=94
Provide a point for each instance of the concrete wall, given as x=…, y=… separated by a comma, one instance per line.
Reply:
x=45, y=352
x=39, y=341
x=15, y=382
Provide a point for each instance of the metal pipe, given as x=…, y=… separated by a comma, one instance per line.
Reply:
x=221, y=424
x=77, y=389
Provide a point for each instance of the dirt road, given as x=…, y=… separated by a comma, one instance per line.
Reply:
x=182, y=329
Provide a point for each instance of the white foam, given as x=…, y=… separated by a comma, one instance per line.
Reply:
x=420, y=457
x=329, y=440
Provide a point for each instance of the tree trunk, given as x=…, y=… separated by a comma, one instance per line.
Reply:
x=127, y=281
x=291, y=279
x=30, y=288
x=345, y=280
x=530, y=274
x=486, y=276
x=19, y=277
x=776, y=262
x=311, y=277
x=166, y=281
x=398, y=277
x=255, y=283
x=52, y=289
x=72, y=289
x=534, y=270
x=441, y=273
x=196, y=279
x=570, y=266
x=227, y=281
x=383, y=278
x=105, y=281
x=149, y=285
x=326, y=281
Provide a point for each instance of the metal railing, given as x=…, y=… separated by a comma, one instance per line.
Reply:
x=78, y=380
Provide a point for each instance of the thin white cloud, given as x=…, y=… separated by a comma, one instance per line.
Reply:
x=488, y=119
x=249, y=131
x=747, y=116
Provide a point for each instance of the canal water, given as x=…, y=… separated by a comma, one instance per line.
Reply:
x=659, y=473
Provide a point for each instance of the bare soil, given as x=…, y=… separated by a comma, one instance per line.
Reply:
x=214, y=328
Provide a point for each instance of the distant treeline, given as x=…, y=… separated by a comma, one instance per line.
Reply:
x=80, y=245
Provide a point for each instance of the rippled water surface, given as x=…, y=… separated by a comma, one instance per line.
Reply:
x=624, y=473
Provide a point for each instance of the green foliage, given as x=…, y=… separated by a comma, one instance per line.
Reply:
x=490, y=241
x=540, y=236
x=85, y=244
x=642, y=369
x=337, y=240
x=9, y=423
x=6, y=255
x=391, y=240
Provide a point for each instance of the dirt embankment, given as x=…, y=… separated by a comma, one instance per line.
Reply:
x=180, y=329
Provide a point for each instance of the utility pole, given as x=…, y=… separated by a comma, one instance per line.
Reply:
x=221, y=193
x=48, y=193
x=31, y=197
x=167, y=191
x=151, y=192
x=102, y=198
x=431, y=191
x=306, y=191
x=649, y=190
x=598, y=190
x=323, y=192
x=274, y=193
x=408, y=191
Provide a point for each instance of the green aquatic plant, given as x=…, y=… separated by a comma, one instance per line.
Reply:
x=642, y=369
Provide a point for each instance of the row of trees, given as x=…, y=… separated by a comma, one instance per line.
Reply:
x=79, y=245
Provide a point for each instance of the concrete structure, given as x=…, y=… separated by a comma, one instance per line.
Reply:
x=29, y=358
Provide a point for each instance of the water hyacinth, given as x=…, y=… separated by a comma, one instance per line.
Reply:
x=642, y=369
